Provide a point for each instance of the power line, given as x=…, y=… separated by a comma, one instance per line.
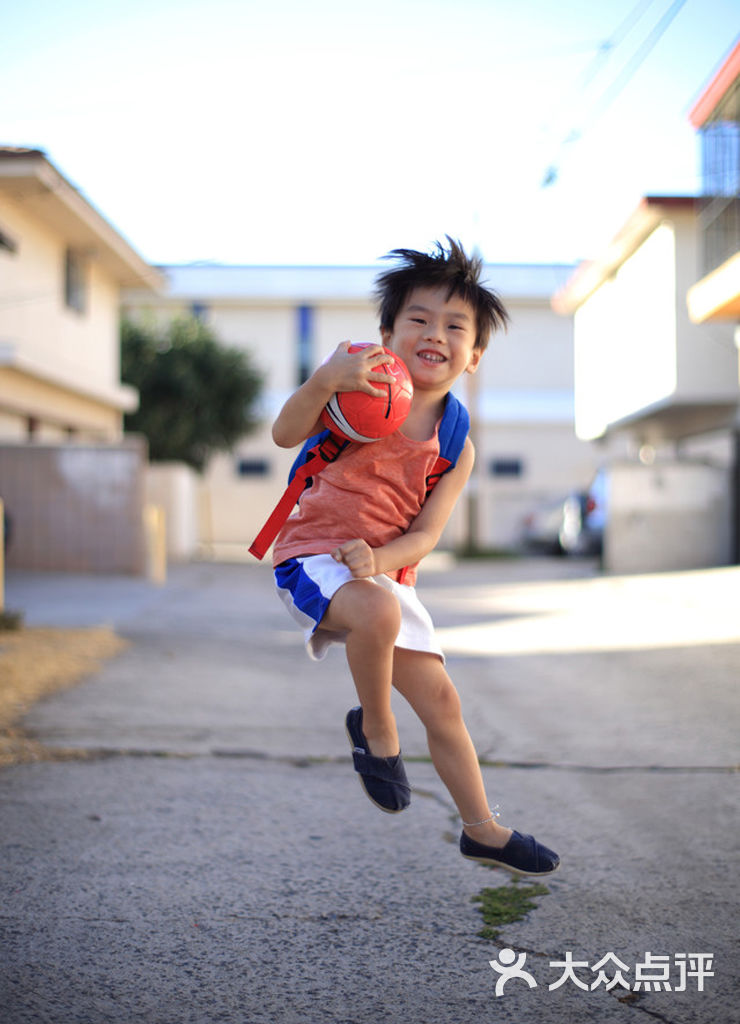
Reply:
x=620, y=81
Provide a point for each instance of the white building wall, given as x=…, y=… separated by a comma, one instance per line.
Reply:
x=267, y=332
x=635, y=346
x=669, y=516
x=707, y=362
x=174, y=487
x=625, y=338
x=335, y=324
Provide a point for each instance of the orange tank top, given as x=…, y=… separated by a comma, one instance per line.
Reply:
x=373, y=491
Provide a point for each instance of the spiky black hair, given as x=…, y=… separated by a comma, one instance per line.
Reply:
x=449, y=268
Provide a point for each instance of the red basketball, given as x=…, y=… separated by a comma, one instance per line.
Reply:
x=356, y=416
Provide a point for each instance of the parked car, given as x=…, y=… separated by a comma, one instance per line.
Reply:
x=570, y=525
x=596, y=512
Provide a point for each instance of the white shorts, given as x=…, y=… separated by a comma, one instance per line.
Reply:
x=307, y=585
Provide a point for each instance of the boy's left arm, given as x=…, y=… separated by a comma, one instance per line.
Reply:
x=423, y=534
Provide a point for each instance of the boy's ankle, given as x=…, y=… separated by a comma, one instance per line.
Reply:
x=489, y=833
x=381, y=736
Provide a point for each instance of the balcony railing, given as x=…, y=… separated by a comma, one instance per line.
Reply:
x=719, y=216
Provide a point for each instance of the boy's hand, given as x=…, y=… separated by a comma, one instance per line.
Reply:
x=359, y=558
x=355, y=371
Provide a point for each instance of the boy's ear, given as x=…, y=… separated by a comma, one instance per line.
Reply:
x=474, y=360
x=385, y=334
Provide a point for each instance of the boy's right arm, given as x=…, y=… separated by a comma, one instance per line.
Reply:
x=344, y=371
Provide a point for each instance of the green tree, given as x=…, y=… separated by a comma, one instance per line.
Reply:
x=196, y=396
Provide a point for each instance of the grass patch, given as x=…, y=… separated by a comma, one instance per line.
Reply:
x=37, y=662
x=506, y=904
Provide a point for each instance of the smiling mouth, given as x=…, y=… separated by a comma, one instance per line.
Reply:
x=433, y=358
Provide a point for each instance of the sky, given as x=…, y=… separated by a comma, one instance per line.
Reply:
x=283, y=132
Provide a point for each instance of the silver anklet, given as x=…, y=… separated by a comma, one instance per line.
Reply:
x=494, y=815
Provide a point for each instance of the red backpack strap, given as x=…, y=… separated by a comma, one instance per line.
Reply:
x=316, y=459
x=439, y=468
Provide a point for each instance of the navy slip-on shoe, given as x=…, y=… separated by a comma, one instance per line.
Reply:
x=522, y=855
x=383, y=778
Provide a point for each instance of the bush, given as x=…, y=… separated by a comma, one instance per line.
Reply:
x=196, y=396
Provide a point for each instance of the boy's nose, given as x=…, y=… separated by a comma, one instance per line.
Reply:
x=432, y=331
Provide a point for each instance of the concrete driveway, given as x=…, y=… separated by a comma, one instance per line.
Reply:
x=210, y=857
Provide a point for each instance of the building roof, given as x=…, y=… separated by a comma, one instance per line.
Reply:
x=213, y=282
x=591, y=274
x=27, y=176
x=720, y=82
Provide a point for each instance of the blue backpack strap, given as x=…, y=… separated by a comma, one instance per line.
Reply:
x=453, y=430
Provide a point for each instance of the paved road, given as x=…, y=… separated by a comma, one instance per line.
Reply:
x=212, y=858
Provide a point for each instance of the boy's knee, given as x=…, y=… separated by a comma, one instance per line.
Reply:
x=382, y=613
x=365, y=608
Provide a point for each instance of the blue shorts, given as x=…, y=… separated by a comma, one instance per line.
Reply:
x=307, y=585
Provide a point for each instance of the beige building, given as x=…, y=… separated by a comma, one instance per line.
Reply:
x=290, y=318
x=61, y=270
x=72, y=487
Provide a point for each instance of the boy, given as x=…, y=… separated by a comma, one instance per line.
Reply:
x=367, y=517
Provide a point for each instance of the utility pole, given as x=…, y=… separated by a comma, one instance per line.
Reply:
x=473, y=511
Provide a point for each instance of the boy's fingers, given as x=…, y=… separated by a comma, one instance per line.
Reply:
x=341, y=553
x=345, y=551
x=368, y=389
x=378, y=377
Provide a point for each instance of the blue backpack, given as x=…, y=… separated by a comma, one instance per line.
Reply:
x=321, y=449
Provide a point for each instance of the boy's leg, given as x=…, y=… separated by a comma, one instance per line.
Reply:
x=371, y=616
x=421, y=678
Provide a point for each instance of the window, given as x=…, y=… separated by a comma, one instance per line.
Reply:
x=506, y=467
x=253, y=467
x=75, y=281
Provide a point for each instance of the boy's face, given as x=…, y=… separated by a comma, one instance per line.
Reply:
x=435, y=337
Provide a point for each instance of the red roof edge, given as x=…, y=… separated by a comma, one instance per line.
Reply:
x=723, y=78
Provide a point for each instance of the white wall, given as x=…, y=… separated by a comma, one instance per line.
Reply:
x=668, y=516
x=174, y=487
x=635, y=346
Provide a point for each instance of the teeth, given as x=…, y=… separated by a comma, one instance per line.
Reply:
x=431, y=357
